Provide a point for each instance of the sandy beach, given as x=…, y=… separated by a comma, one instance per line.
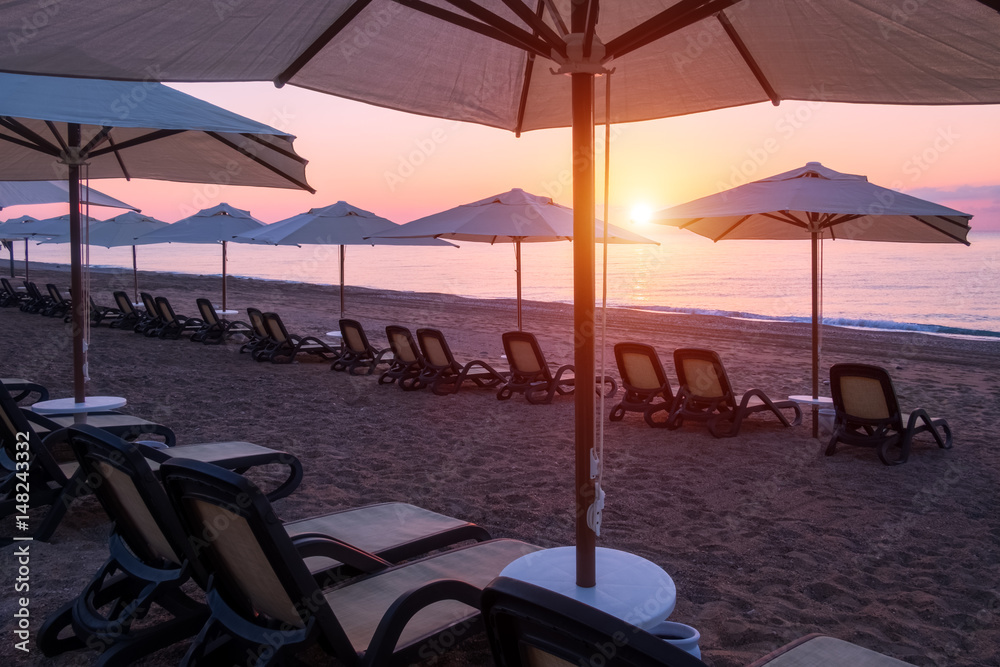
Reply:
x=765, y=538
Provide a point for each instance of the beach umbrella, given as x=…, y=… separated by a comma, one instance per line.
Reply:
x=514, y=217
x=23, y=193
x=121, y=230
x=813, y=203
x=120, y=129
x=218, y=224
x=523, y=66
x=8, y=234
x=31, y=229
x=338, y=224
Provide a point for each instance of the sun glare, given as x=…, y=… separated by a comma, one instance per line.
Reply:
x=641, y=214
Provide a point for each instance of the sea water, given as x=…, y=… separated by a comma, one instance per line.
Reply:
x=944, y=288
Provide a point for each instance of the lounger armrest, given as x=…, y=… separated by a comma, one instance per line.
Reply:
x=317, y=544
x=407, y=605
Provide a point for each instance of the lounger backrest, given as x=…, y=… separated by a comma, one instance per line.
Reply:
x=207, y=311
x=54, y=292
x=275, y=327
x=13, y=427
x=258, y=323
x=129, y=492
x=354, y=336
x=702, y=373
x=863, y=392
x=524, y=355
x=639, y=366
x=435, y=348
x=165, y=310
x=529, y=626
x=256, y=568
x=7, y=287
x=124, y=304
x=401, y=343
x=150, y=304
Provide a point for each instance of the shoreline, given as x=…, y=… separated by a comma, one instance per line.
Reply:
x=765, y=537
x=944, y=331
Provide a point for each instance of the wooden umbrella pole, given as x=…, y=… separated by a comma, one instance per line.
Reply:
x=76, y=269
x=815, y=331
x=26, y=258
x=223, y=275
x=517, y=271
x=343, y=256
x=135, y=278
x=583, y=311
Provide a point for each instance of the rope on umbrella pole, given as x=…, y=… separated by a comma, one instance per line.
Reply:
x=597, y=457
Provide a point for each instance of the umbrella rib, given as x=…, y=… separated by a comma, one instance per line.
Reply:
x=146, y=138
x=748, y=58
x=34, y=140
x=97, y=139
x=734, y=226
x=55, y=133
x=27, y=144
x=554, y=11
x=118, y=156
x=992, y=4
x=535, y=22
x=506, y=28
x=320, y=43
x=948, y=234
x=261, y=162
x=522, y=102
x=590, y=27
x=669, y=20
x=291, y=155
x=471, y=25
x=787, y=218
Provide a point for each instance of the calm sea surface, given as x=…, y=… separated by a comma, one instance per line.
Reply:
x=947, y=288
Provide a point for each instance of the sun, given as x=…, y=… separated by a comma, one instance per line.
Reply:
x=641, y=214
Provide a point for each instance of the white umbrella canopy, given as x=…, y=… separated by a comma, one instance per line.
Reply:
x=22, y=193
x=514, y=217
x=674, y=57
x=120, y=129
x=489, y=62
x=218, y=224
x=814, y=203
x=338, y=224
x=121, y=230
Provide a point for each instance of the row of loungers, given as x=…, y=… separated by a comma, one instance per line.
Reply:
x=359, y=581
x=864, y=416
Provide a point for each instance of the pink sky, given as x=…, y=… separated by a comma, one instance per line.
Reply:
x=403, y=166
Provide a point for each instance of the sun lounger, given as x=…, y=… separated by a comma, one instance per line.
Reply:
x=443, y=374
x=150, y=319
x=868, y=414
x=56, y=483
x=57, y=305
x=21, y=389
x=130, y=317
x=259, y=337
x=284, y=347
x=100, y=313
x=646, y=385
x=10, y=296
x=529, y=626
x=706, y=395
x=151, y=559
x=171, y=324
x=266, y=604
x=216, y=329
x=407, y=361
x=532, y=376
x=357, y=352
x=36, y=301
